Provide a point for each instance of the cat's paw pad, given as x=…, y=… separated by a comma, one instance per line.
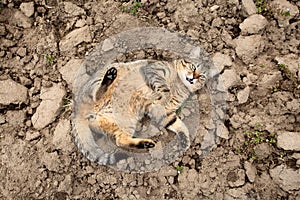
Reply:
x=110, y=76
x=145, y=144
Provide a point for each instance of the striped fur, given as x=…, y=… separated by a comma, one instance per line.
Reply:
x=156, y=89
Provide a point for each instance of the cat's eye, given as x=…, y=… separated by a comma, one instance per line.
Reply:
x=193, y=67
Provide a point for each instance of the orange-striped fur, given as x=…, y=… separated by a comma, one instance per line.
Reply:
x=155, y=89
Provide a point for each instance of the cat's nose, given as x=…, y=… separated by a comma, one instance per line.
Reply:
x=196, y=75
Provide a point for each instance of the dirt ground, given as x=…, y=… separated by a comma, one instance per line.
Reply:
x=256, y=48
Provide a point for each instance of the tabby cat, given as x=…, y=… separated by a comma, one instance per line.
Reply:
x=132, y=91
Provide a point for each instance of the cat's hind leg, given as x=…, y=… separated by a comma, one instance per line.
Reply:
x=123, y=138
x=109, y=77
x=178, y=127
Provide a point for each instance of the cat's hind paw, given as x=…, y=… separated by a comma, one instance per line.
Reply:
x=110, y=76
x=145, y=144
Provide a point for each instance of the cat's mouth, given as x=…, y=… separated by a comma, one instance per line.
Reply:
x=190, y=80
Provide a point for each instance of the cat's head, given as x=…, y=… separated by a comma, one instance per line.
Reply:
x=190, y=74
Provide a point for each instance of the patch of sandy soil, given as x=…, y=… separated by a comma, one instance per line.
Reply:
x=255, y=47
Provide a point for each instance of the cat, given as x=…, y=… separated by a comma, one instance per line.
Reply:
x=129, y=92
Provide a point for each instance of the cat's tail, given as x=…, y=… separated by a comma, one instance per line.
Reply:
x=88, y=137
x=177, y=126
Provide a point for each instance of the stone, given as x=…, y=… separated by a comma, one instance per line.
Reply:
x=75, y=38
x=72, y=9
x=214, y=7
x=61, y=136
x=222, y=131
x=288, y=179
x=21, y=20
x=262, y=151
x=2, y=119
x=186, y=15
x=243, y=95
x=69, y=70
x=289, y=140
x=50, y=160
x=253, y=24
x=32, y=135
x=221, y=60
x=80, y=23
x=236, y=178
x=27, y=8
x=285, y=11
x=66, y=185
x=291, y=61
x=48, y=109
x=248, y=47
x=229, y=78
x=12, y=92
x=15, y=117
x=168, y=171
x=22, y=51
x=249, y=7
x=250, y=171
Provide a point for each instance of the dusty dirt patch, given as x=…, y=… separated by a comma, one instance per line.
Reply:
x=259, y=62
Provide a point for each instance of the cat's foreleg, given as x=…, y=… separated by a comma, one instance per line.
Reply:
x=123, y=138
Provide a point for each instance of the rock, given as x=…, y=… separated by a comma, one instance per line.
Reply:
x=32, y=135
x=249, y=6
x=214, y=7
x=168, y=171
x=222, y=131
x=291, y=61
x=27, y=8
x=221, y=60
x=288, y=179
x=243, y=95
x=12, y=92
x=236, y=178
x=22, y=52
x=229, y=78
x=80, y=23
x=75, y=38
x=22, y=20
x=61, y=136
x=267, y=82
x=186, y=15
x=289, y=140
x=248, y=47
x=284, y=11
x=15, y=117
x=262, y=151
x=69, y=70
x=72, y=9
x=253, y=24
x=49, y=107
x=50, y=160
x=161, y=15
x=2, y=119
x=236, y=193
x=7, y=43
x=66, y=185
x=250, y=171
